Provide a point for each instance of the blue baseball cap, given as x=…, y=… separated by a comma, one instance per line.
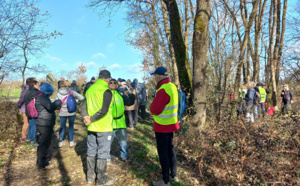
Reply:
x=161, y=71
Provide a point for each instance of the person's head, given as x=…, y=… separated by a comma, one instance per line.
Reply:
x=286, y=87
x=133, y=85
x=64, y=84
x=160, y=73
x=123, y=84
x=128, y=81
x=113, y=84
x=62, y=79
x=251, y=85
x=119, y=81
x=47, y=89
x=33, y=82
x=74, y=81
x=93, y=79
x=104, y=75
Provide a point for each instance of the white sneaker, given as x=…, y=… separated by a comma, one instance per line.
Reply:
x=72, y=144
x=60, y=144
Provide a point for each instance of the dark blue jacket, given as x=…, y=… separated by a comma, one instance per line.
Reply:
x=251, y=96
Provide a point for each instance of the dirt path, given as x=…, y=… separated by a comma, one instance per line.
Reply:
x=70, y=163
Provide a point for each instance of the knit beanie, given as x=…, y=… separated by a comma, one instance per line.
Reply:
x=47, y=89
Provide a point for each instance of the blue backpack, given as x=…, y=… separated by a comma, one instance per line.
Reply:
x=182, y=103
x=71, y=102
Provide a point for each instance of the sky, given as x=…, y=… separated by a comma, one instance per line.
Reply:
x=88, y=39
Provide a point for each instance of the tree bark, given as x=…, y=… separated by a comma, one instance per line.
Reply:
x=200, y=60
x=171, y=48
x=177, y=39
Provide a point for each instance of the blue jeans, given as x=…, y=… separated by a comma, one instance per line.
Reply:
x=122, y=138
x=262, y=105
x=31, y=133
x=63, y=122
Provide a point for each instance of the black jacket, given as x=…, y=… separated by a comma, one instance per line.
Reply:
x=30, y=94
x=46, y=110
x=87, y=86
x=74, y=87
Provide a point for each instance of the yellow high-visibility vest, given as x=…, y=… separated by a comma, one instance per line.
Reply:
x=170, y=112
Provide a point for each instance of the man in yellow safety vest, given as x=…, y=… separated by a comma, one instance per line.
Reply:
x=97, y=113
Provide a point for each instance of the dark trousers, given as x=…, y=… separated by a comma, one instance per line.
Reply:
x=44, y=136
x=143, y=111
x=166, y=153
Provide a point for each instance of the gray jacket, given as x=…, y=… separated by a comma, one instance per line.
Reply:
x=61, y=94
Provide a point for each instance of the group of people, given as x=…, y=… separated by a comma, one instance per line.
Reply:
x=254, y=100
x=105, y=105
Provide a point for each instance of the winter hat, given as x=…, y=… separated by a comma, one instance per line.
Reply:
x=47, y=89
x=93, y=78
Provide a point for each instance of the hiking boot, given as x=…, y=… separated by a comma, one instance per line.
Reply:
x=176, y=179
x=160, y=183
x=34, y=144
x=61, y=144
x=72, y=144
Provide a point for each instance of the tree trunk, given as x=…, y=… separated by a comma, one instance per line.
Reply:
x=281, y=40
x=271, y=46
x=184, y=72
x=200, y=60
x=171, y=48
x=258, y=29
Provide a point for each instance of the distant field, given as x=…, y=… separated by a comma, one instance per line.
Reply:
x=10, y=93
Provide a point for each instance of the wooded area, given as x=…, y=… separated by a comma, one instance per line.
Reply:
x=214, y=46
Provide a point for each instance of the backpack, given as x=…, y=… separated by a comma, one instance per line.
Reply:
x=182, y=103
x=256, y=97
x=33, y=113
x=71, y=102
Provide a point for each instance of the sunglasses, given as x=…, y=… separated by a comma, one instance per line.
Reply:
x=113, y=82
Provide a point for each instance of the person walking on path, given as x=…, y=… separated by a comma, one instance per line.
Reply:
x=65, y=115
x=74, y=87
x=88, y=85
x=44, y=125
x=287, y=97
x=164, y=109
x=32, y=92
x=119, y=124
x=21, y=106
x=97, y=113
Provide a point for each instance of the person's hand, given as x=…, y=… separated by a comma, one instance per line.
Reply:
x=292, y=101
x=131, y=89
x=87, y=120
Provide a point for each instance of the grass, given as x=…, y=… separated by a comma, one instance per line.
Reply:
x=10, y=92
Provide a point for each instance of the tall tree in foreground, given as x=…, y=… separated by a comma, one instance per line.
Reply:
x=200, y=60
x=185, y=76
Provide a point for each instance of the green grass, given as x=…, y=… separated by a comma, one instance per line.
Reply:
x=10, y=93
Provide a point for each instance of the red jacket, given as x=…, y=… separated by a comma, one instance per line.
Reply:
x=157, y=106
